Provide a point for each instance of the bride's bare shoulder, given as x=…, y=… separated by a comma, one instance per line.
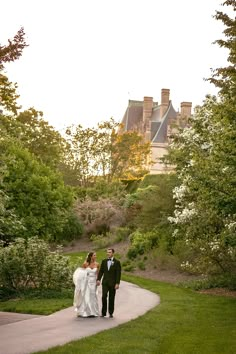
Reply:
x=85, y=265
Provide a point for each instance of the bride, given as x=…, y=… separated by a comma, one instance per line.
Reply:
x=85, y=295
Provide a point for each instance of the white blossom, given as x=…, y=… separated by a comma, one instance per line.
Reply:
x=206, y=146
x=214, y=245
x=225, y=169
x=179, y=192
x=184, y=215
x=231, y=226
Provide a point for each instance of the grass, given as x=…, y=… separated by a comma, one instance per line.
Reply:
x=38, y=302
x=77, y=258
x=35, y=306
x=185, y=322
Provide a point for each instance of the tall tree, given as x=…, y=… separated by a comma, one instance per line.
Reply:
x=103, y=153
x=35, y=192
x=35, y=134
x=8, y=53
x=205, y=159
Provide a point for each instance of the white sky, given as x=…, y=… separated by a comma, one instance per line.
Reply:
x=87, y=58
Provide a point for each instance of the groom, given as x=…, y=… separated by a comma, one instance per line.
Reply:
x=110, y=271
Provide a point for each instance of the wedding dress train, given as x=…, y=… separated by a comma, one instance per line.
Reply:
x=86, y=295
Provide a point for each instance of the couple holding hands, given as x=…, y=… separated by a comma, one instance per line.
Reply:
x=88, y=277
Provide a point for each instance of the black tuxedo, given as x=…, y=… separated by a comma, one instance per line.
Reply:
x=110, y=277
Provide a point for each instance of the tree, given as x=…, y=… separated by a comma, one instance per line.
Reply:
x=35, y=193
x=225, y=78
x=205, y=157
x=103, y=153
x=35, y=134
x=129, y=156
x=9, y=53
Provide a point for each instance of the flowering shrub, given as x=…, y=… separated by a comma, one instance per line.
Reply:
x=100, y=216
x=30, y=264
x=205, y=208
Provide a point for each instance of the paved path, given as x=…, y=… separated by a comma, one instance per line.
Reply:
x=30, y=335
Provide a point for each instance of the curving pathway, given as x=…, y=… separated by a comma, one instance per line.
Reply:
x=30, y=333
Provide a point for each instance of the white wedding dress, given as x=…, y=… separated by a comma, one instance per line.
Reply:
x=86, y=294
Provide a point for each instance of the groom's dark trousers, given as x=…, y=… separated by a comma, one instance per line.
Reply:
x=111, y=277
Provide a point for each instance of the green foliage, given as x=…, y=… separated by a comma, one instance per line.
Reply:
x=102, y=240
x=155, y=180
x=205, y=158
x=132, y=252
x=102, y=189
x=131, y=185
x=224, y=77
x=72, y=229
x=142, y=242
x=149, y=207
x=30, y=130
x=103, y=153
x=127, y=266
x=29, y=263
x=141, y=265
x=10, y=225
x=40, y=138
x=121, y=233
x=220, y=281
x=36, y=193
x=8, y=53
x=129, y=156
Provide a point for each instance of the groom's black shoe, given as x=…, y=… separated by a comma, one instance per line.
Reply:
x=103, y=315
x=111, y=316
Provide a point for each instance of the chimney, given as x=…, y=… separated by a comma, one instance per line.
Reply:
x=147, y=113
x=147, y=108
x=185, y=111
x=165, y=97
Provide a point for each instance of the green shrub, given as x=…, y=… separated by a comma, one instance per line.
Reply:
x=35, y=193
x=102, y=240
x=141, y=265
x=126, y=263
x=121, y=233
x=128, y=268
x=132, y=253
x=73, y=229
x=143, y=242
x=29, y=263
x=220, y=281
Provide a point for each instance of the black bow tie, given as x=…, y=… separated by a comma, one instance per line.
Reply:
x=109, y=259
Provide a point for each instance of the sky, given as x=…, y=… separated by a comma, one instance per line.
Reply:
x=87, y=58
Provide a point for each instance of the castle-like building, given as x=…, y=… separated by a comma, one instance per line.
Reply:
x=156, y=122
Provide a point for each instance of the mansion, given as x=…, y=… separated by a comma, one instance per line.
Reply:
x=156, y=122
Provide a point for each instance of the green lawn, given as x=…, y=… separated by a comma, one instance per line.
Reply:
x=185, y=322
x=36, y=306
x=77, y=258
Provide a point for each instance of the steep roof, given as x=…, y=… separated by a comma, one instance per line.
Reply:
x=159, y=133
x=133, y=115
x=133, y=119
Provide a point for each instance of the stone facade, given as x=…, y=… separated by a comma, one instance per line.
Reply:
x=156, y=122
